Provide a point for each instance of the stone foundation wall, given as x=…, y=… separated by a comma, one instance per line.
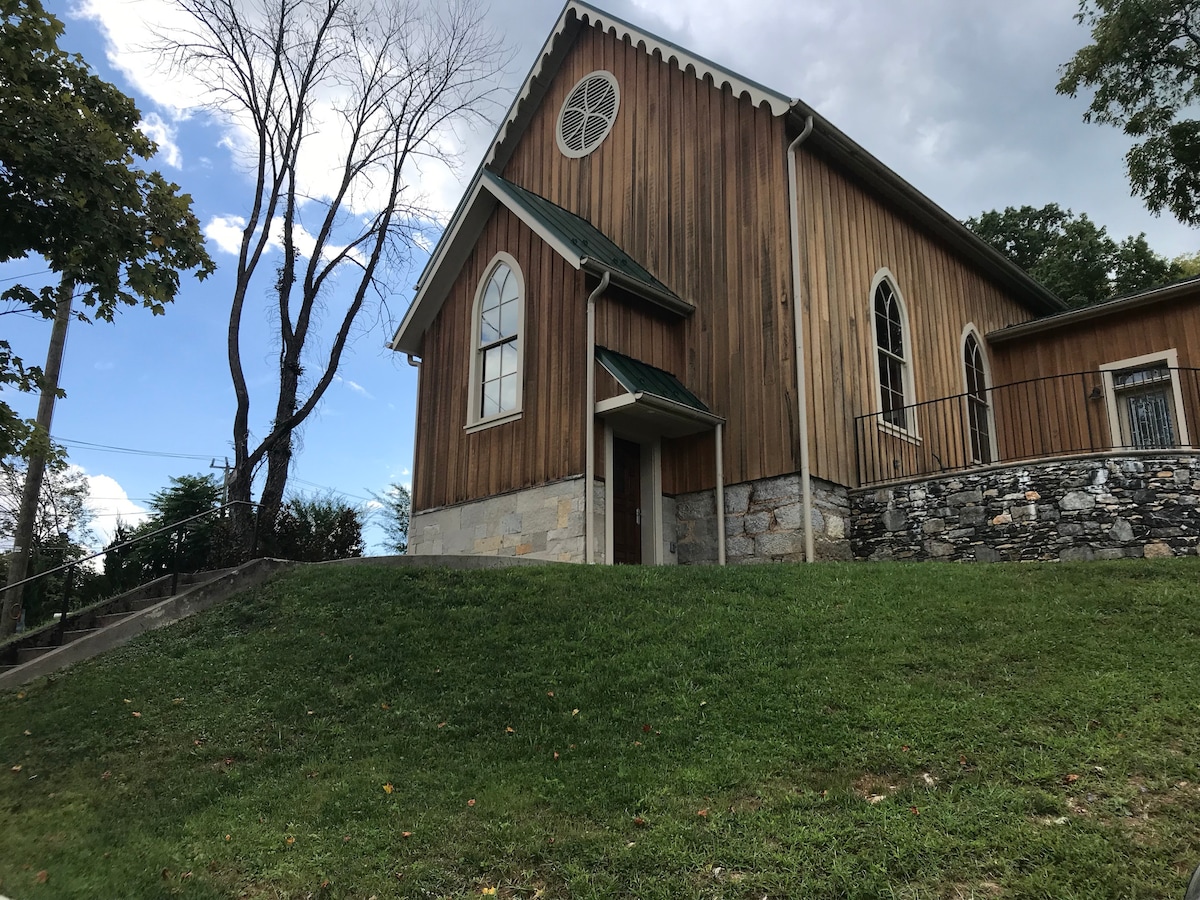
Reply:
x=763, y=522
x=1073, y=509
x=545, y=522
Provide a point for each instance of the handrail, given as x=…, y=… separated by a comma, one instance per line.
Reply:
x=129, y=543
x=1033, y=418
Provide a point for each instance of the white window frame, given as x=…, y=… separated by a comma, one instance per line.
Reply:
x=969, y=330
x=908, y=432
x=1168, y=358
x=475, y=421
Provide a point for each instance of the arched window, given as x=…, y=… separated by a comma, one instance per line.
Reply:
x=496, y=358
x=892, y=355
x=979, y=410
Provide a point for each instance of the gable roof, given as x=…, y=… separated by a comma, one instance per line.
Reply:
x=576, y=16
x=575, y=239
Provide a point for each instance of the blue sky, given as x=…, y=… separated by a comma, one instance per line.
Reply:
x=958, y=98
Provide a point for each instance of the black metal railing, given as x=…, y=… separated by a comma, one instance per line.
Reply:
x=1153, y=407
x=68, y=570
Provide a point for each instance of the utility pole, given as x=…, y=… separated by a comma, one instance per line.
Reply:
x=224, y=479
x=40, y=443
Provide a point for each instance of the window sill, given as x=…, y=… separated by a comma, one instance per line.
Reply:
x=899, y=433
x=491, y=422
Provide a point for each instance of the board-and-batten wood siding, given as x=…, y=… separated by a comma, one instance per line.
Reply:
x=691, y=182
x=847, y=236
x=1041, y=415
x=546, y=443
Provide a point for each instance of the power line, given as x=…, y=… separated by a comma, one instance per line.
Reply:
x=27, y=275
x=326, y=487
x=107, y=448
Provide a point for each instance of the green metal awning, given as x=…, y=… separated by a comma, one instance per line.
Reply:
x=593, y=249
x=656, y=402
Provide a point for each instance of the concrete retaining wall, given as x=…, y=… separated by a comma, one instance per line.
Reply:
x=1070, y=509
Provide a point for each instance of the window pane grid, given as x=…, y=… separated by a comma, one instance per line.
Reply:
x=498, y=357
x=891, y=362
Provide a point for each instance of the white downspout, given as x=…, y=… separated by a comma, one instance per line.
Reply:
x=801, y=387
x=720, y=497
x=416, y=364
x=589, y=429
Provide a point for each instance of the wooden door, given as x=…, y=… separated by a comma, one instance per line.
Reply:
x=627, y=501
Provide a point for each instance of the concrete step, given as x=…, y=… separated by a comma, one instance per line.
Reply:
x=69, y=636
x=25, y=654
x=111, y=619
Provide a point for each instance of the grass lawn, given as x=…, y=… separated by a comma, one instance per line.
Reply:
x=940, y=731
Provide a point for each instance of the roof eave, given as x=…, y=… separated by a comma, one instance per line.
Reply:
x=1178, y=291
x=661, y=298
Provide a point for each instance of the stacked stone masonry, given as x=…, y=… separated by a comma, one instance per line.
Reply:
x=546, y=522
x=1070, y=509
x=764, y=522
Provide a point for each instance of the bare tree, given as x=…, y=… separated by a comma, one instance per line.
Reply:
x=391, y=78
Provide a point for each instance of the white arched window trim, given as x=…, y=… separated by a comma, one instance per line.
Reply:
x=909, y=429
x=969, y=331
x=475, y=420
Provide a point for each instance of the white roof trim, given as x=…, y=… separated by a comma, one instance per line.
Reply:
x=476, y=209
x=585, y=14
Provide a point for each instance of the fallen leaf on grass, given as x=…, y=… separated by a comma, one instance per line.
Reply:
x=43, y=876
x=229, y=837
x=914, y=810
x=905, y=748
x=406, y=834
x=488, y=891
x=20, y=695
x=16, y=768
x=385, y=706
x=177, y=700
x=441, y=724
x=645, y=729
x=291, y=840
x=508, y=729
x=556, y=755
x=28, y=733
x=549, y=693
x=387, y=788
x=127, y=700
x=471, y=802
x=1070, y=779
x=702, y=813
x=137, y=715
x=104, y=776
x=575, y=711
x=639, y=822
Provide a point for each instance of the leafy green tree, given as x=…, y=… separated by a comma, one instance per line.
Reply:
x=1143, y=67
x=315, y=529
x=1187, y=264
x=191, y=547
x=395, y=510
x=1072, y=255
x=111, y=232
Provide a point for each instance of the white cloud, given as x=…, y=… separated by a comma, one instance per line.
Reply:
x=109, y=503
x=354, y=386
x=226, y=233
x=155, y=128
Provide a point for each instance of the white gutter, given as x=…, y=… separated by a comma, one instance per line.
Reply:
x=589, y=428
x=720, y=497
x=801, y=387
